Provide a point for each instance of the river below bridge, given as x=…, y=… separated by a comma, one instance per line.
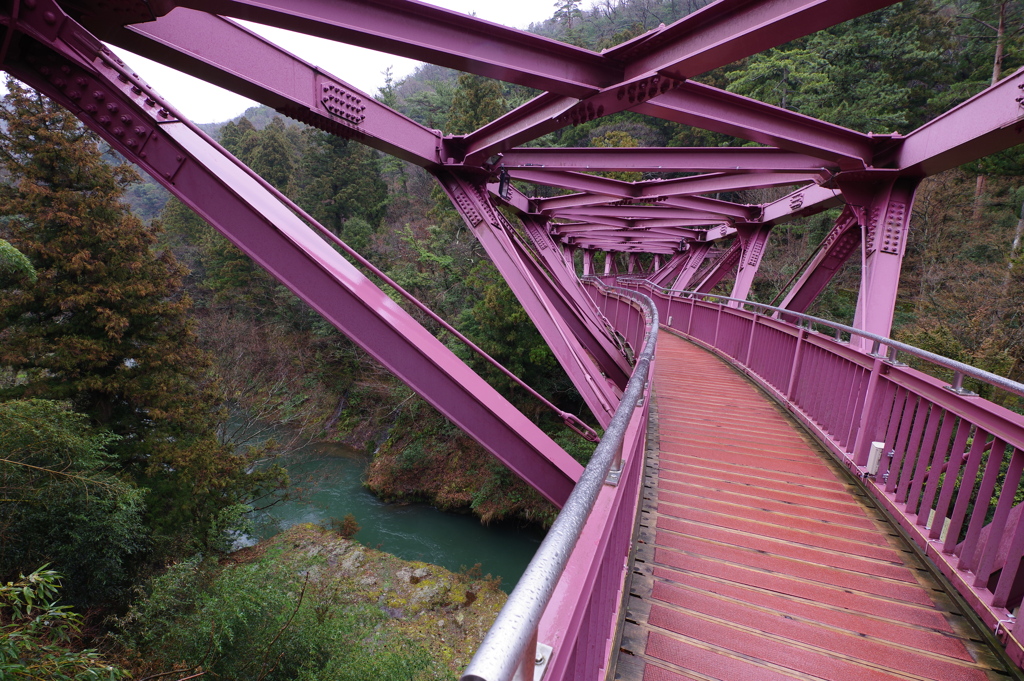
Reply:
x=328, y=480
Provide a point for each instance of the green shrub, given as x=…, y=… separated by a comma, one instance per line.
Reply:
x=35, y=639
x=263, y=621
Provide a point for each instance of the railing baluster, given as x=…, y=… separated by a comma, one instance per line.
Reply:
x=965, y=495
x=928, y=473
x=899, y=448
x=970, y=556
x=996, y=528
x=955, y=461
x=795, y=367
x=913, y=449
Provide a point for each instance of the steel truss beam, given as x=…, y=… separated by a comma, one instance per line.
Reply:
x=428, y=33
x=703, y=106
x=841, y=242
x=695, y=257
x=719, y=268
x=582, y=350
x=660, y=160
x=221, y=52
x=60, y=59
x=753, y=240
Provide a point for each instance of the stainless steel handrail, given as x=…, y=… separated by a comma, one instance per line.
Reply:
x=957, y=367
x=515, y=627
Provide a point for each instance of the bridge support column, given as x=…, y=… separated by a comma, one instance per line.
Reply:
x=753, y=239
x=883, y=210
x=695, y=258
x=610, y=266
x=588, y=262
x=633, y=264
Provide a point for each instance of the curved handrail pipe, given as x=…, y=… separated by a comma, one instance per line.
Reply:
x=510, y=648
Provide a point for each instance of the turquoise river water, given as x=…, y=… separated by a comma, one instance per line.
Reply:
x=329, y=478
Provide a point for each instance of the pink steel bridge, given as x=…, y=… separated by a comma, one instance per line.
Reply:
x=942, y=463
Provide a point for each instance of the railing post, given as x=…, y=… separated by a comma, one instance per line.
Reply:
x=534, y=661
x=797, y=353
x=750, y=340
x=861, y=441
x=718, y=324
x=689, y=322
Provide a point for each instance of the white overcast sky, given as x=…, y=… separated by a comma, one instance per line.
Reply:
x=205, y=103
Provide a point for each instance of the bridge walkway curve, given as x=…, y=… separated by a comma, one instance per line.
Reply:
x=759, y=558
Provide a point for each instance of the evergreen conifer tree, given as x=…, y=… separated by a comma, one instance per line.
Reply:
x=105, y=326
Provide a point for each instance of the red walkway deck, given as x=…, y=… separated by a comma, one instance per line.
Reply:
x=758, y=558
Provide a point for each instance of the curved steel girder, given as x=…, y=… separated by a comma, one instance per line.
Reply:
x=61, y=60
x=230, y=56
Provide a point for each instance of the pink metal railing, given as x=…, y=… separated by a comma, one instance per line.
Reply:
x=561, y=620
x=950, y=463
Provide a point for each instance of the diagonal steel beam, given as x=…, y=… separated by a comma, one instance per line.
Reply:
x=722, y=182
x=719, y=269
x=670, y=270
x=660, y=61
x=833, y=252
x=221, y=52
x=583, y=351
x=729, y=30
x=801, y=203
x=990, y=121
x=703, y=106
x=650, y=160
x=753, y=240
x=63, y=61
x=428, y=33
x=560, y=266
x=695, y=260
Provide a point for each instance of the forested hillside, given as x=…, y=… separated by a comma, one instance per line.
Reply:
x=130, y=330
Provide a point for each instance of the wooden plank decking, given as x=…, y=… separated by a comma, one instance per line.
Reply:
x=757, y=557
